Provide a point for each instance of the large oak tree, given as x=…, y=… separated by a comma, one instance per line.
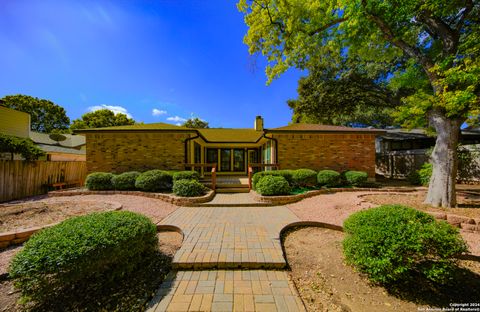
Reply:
x=101, y=118
x=45, y=116
x=432, y=46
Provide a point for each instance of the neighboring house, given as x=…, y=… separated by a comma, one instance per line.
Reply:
x=165, y=146
x=401, y=151
x=68, y=147
x=13, y=122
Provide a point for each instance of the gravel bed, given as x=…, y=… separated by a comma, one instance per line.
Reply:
x=335, y=208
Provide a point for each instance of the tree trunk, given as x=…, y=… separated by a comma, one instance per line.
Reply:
x=441, y=189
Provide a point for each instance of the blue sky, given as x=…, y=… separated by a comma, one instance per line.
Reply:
x=177, y=57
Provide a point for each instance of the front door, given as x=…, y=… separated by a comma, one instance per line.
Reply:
x=239, y=160
x=225, y=159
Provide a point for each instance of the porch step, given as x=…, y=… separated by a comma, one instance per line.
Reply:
x=232, y=189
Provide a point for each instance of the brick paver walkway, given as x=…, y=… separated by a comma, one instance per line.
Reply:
x=230, y=199
x=239, y=290
x=239, y=239
x=215, y=237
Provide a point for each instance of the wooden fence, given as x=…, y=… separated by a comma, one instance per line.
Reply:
x=19, y=179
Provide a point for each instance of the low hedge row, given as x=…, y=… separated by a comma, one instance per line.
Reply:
x=148, y=181
x=99, y=246
x=305, y=178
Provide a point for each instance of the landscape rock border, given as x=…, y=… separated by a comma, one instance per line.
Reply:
x=169, y=198
x=467, y=224
x=20, y=236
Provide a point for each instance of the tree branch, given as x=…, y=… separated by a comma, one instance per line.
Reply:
x=272, y=22
x=437, y=26
x=464, y=14
x=328, y=25
x=411, y=51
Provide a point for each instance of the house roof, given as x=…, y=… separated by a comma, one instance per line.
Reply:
x=321, y=128
x=138, y=127
x=60, y=149
x=224, y=135
x=44, y=138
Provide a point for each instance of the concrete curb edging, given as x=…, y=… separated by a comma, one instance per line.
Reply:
x=289, y=199
x=20, y=236
x=169, y=198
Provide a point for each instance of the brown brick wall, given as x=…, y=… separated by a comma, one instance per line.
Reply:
x=327, y=151
x=125, y=151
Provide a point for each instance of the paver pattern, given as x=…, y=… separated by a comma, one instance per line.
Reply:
x=233, y=199
x=218, y=237
x=236, y=290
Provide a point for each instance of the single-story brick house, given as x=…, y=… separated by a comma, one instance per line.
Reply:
x=165, y=146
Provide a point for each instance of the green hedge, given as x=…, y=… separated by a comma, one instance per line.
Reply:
x=100, y=246
x=99, y=181
x=355, y=178
x=304, y=178
x=329, y=178
x=188, y=188
x=186, y=175
x=287, y=174
x=154, y=181
x=273, y=185
x=125, y=181
x=393, y=243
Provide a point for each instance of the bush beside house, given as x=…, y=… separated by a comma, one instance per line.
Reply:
x=154, y=181
x=273, y=185
x=329, y=178
x=188, y=188
x=125, y=181
x=99, y=181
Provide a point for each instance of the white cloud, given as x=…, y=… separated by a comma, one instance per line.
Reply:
x=158, y=112
x=113, y=108
x=176, y=119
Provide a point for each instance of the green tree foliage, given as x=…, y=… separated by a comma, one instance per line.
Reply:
x=101, y=118
x=195, y=123
x=429, y=46
x=346, y=100
x=45, y=115
x=15, y=145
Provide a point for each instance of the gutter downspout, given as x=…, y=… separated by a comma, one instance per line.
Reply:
x=276, y=146
x=186, y=145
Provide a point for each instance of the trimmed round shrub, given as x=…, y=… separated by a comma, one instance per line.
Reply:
x=186, y=175
x=99, y=181
x=356, y=178
x=273, y=185
x=396, y=243
x=101, y=247
x=188, y=188
x=154, y=181
x=329, y=178
x=125, y=181
x=304, y=177
x=287, y=174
